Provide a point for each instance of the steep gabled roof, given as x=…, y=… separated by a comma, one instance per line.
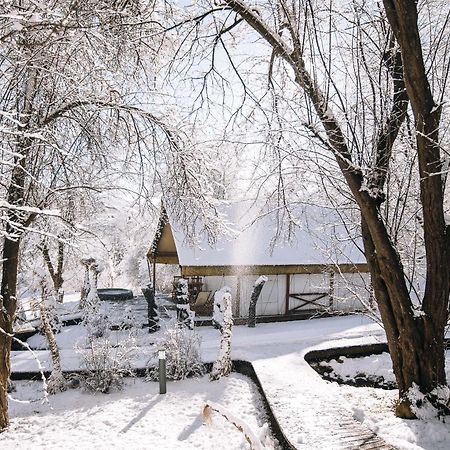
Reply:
x=321, y=238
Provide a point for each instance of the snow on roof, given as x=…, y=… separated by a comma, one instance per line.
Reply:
x=321, y=237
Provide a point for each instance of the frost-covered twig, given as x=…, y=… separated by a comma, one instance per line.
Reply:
x=251, y=438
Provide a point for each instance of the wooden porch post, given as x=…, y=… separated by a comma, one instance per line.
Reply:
x=237, y=302
x=149, y=269
x=154, y=275
x=331, y=295
x=288, y=289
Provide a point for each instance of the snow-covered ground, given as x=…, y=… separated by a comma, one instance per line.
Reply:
x=373, y=407
x=308, y=408
x=375, y=365
x=135, y=418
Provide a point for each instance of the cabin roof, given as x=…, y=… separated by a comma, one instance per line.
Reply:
x=321, y=238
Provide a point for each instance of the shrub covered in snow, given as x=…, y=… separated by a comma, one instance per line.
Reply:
x=97, y=324
x=183, y=357
x=105, y=365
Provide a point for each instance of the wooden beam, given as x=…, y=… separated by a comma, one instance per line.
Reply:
x=271, y=270
x=165, y=259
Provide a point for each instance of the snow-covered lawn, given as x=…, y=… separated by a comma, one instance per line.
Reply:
x=135, y=418
x=308, y=408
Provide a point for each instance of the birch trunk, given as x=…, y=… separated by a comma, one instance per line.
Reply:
x=56, y=382
x=222, y=366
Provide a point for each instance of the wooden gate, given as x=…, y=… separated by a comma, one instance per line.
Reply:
x=298, y=302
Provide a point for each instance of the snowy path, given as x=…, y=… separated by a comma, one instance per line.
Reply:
x=311, y=412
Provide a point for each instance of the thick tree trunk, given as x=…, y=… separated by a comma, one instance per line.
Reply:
x=415, y=340
x=5, y=348
x=416, y=344
x=8, y=300
x=5, y=345
x=423, y=343
x=11, y=246
x=7, y=311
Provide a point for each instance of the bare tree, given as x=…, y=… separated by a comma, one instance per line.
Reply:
x=357, y=90
x=71, y=82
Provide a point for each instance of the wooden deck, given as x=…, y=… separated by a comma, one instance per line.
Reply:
x=350, y=434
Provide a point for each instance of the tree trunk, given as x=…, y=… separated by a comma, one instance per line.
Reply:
x=7, y=311
x=86, y=287
x=415, y=340
x=8, y=290
x=56, y=275
x=5, y=345
x=416, y=350
x=222, y=366
x=257, y=288
x=56, y=382
x=424, y=343
x=185, y=315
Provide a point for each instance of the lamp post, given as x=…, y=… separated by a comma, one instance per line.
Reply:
x=162, y=371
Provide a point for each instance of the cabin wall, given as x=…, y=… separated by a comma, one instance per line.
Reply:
x=341, y=292
x=272, y=297
x=351, y=291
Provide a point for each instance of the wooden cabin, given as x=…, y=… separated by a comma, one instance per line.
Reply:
x=321, y=269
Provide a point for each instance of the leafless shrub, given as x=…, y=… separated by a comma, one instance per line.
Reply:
x=183, y=358
x=105, y=365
